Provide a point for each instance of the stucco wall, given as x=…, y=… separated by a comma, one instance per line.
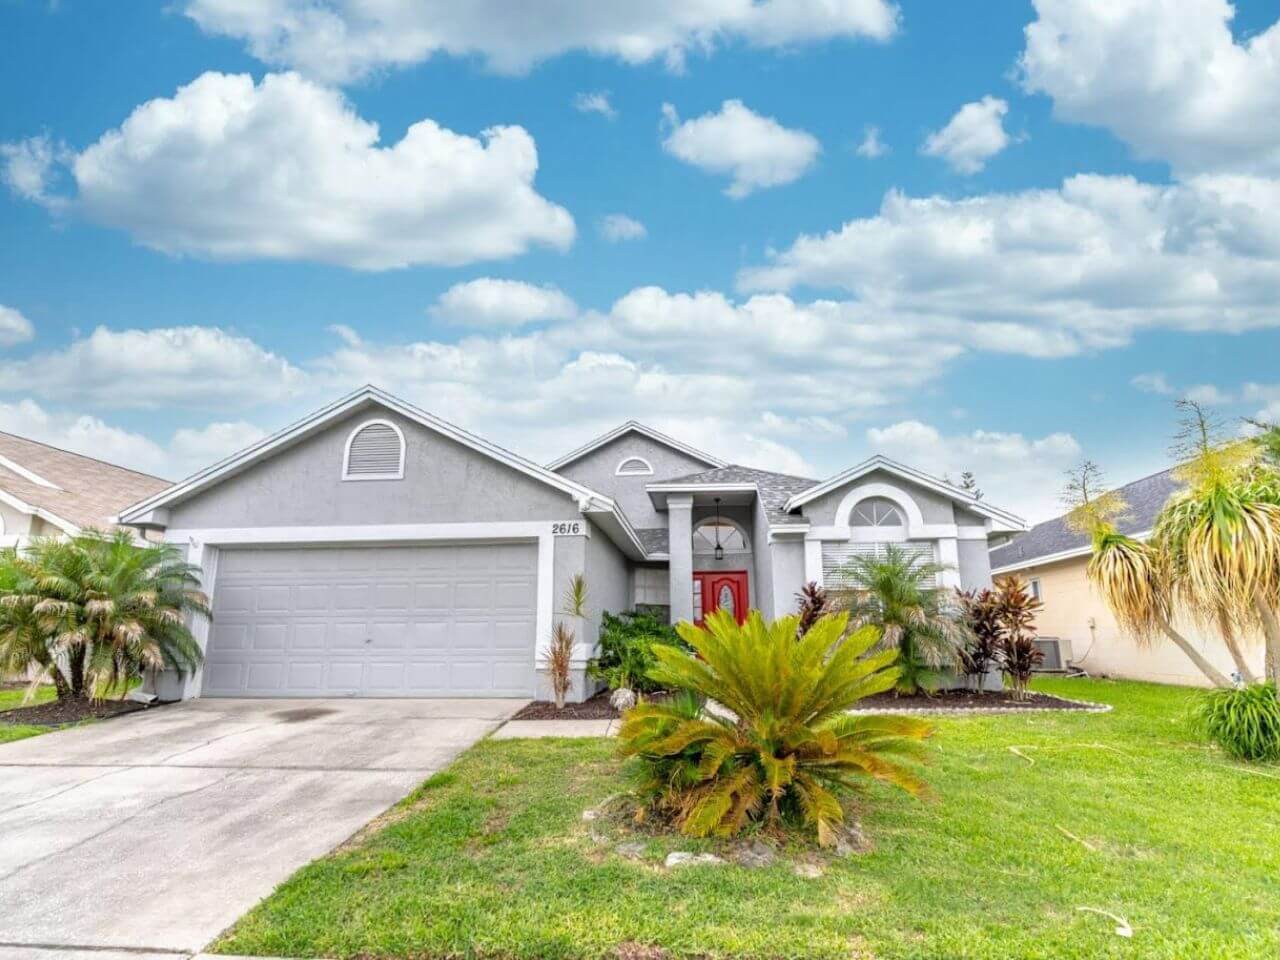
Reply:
x=608, y=579
x=13, y=523
x=444, y=482
x=764, y=560
x=1070, y=602
x=975, y=564
x=596, y=471
x=934, y=507
x=788, y=575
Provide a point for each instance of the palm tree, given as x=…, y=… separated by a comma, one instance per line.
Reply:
x=896, y=593
x=95, y=611
x=1214, y=552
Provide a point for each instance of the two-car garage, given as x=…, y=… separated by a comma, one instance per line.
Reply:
x=441, y=620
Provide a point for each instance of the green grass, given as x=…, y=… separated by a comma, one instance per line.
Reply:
x=11, y=699
x=492, y=858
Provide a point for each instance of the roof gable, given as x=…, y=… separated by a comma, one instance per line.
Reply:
x=773, y=489
x=633, y=426
x=366, y=396
x=1004, y=520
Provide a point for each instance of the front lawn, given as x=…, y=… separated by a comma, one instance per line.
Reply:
x=1036, y=816
x=11, y=698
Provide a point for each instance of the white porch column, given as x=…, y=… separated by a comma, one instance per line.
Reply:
x=813, y=561
x=949, y=556
x=680, y=550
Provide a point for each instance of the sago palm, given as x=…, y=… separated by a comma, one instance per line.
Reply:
x=780, y=747
x=896, y=593
x=108, y=608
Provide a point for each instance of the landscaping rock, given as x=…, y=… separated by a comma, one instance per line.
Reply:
x=810, y=871
x=682, y=858
x=755, y=854
x=632, y=849
x=589, y=815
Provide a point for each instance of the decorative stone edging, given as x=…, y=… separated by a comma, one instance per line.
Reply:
x=1087, y=706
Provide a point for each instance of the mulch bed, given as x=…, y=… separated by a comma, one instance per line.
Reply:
x=55, y=714
x=968, y=700
x=597, y=708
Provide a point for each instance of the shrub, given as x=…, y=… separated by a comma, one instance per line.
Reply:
x=789, y=754
x=981, y=649
x=560, y=662
x=1016, y=612
x=895, y=593
x=1243, y=721
x=811, y=603
x=93, y=612
x=626, y=650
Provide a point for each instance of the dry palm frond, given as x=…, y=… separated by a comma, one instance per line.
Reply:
x=560, y=662
x=1133, y=584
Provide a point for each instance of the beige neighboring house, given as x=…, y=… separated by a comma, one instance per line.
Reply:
x=1052, y=558
x=47, y=492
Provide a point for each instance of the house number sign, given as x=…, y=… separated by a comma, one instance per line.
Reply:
x=568, y=528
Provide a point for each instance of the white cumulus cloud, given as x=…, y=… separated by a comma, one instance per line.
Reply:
x=14, y=327
x=171, y=366
x=340, y=40
x=617, y=227
x=972, y=137
x=756, y=151
x=596, y=101
x=871, y=146
x=286, y=170
x=492, y=302
x=1166, y=76
x=1054, y=272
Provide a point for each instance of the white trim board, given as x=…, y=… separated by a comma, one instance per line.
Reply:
x=634, y=426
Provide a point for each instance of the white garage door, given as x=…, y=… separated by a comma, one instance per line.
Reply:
x=398, y=621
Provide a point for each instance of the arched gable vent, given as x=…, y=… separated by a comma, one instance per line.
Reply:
x=375, y=451
x=634, y=467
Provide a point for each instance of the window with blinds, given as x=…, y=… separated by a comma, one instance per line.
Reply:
x=375, y=451
x=836, y=556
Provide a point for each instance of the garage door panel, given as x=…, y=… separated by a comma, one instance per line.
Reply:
x=447, y=620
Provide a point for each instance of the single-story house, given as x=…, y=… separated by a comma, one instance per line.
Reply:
x=48, y=492
x=374, y=549
x=1052, y=558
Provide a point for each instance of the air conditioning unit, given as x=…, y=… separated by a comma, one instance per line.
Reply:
x=1057, y=654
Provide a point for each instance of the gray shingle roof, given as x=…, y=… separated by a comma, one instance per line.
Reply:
x=775, y=488
x=654, y=539
x=1145, y=497
x=89, y=492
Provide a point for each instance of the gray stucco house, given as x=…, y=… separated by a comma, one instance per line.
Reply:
x=373, y=549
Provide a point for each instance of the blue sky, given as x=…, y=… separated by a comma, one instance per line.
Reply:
x=1073, y=222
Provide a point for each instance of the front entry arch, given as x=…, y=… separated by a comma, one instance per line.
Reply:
x=717, y=589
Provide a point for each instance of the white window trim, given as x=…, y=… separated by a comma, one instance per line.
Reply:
x=646, y=472
x=346, y=453
x=203, y=546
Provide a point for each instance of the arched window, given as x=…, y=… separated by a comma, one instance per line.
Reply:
x=876, y=512
x=375, y=451
x=732, y=539
x=634, y=467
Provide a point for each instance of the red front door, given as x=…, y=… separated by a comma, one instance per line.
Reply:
x=714, y=589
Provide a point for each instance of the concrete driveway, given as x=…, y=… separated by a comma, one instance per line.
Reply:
x=156, y=831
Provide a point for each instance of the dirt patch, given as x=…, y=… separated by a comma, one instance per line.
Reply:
x=61, y=714
x=968, y=700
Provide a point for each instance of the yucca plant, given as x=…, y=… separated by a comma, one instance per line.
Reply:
x=1244, y=721
x=779, y=748
x=895, y=592
x=105, y=608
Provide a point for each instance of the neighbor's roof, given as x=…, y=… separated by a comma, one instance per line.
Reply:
x=67, y=489
x=775, y=489
x=1054, y=540
x=634, y=426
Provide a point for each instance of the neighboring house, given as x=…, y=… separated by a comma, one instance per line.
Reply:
x=47, y=492
x=373, y=549
x=1052, y=558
